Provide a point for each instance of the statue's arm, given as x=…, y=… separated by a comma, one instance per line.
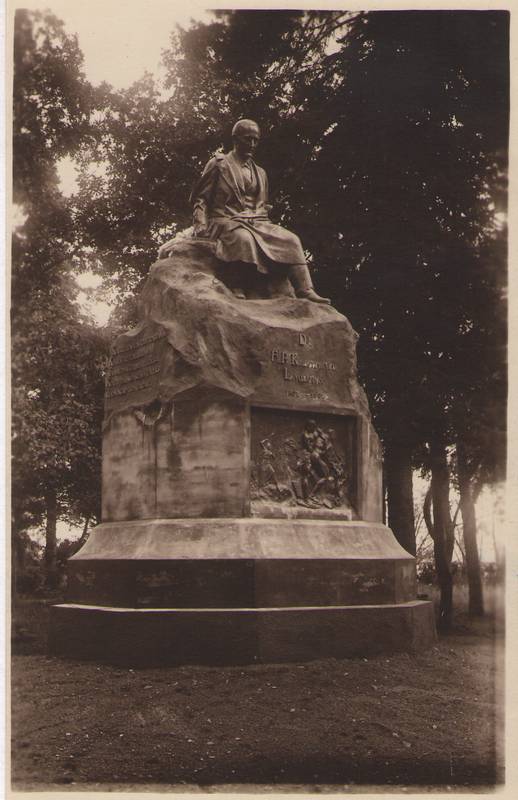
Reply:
x=267, y=203
x=201, y=197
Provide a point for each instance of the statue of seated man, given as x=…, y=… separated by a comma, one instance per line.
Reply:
x=230, y=203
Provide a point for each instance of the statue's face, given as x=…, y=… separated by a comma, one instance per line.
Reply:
x=246, y=141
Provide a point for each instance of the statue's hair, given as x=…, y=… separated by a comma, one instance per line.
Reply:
x=241, y=123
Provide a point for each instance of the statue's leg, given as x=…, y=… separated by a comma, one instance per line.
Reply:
x=244, y=272
x=303, y=285
x=278, y=284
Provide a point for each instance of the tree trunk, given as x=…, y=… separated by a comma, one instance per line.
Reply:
x=82, y=540
x=17, y=561
x=50, y=539
x=442, y=531
x=18, y=552
x=398, y=471
x=469, y=526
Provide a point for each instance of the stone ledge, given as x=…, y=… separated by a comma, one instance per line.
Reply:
x=241, y=538
x=151, y=637
x=241, y=583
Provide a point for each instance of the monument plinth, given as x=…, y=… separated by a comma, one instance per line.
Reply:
x=241, y=488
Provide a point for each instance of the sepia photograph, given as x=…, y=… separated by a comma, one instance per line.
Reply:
x=258, y=315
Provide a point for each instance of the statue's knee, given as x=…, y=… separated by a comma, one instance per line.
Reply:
x=243, y=237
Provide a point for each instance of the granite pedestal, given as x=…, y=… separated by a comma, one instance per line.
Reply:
x=241, y=490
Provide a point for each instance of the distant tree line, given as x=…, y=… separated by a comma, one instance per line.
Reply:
x=386, y=140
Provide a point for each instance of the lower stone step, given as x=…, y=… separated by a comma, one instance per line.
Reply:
x=222, y=636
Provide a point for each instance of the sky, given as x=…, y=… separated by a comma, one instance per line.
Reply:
x=121, y=40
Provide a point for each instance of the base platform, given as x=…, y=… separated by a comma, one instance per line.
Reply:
x=156, y=637
x=238, y=591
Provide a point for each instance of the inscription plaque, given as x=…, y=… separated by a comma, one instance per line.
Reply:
x=304, y=370
x=134, y=370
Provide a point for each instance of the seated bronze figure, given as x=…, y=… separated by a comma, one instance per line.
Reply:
x=230, y=202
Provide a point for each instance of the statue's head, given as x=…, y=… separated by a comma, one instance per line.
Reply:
x=245, y=135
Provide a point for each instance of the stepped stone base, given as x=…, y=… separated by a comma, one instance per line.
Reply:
x=155, y=637
x=236, y=591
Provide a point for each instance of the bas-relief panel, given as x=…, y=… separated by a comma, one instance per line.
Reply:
x=303, y=459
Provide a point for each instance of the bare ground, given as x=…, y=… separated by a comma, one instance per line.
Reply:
x=394, y=720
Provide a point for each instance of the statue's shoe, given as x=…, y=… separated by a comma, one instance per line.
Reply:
x=310, y=294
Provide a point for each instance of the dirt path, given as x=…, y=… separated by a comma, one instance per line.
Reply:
x=398, y=720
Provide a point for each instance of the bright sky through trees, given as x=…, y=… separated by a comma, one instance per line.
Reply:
x=121, y=40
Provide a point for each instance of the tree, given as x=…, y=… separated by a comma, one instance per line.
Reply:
x=57, y=413
x=412, y=193
x=57, y=354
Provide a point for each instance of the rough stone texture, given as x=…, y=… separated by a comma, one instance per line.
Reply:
x=211, y=338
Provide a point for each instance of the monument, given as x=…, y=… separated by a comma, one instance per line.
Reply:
x=242, y=500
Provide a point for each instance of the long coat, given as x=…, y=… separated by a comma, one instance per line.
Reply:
x=237, y=218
